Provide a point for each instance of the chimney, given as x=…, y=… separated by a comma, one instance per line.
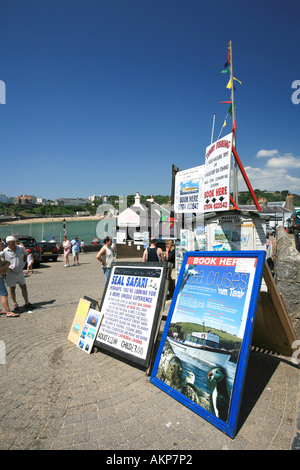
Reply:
x=289, y=202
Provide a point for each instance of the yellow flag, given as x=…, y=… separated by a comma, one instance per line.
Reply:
x=237, y=80
x=224, y=125
x=229, y=84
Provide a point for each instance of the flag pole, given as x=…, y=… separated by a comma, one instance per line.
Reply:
x=235, y=177
x=213, y=127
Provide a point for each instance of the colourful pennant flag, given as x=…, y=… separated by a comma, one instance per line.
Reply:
x=230, y=109
x=237, y=80
x=225, y=70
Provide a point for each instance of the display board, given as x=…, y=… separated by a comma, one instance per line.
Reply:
x=203, y=353
x=90, y=330
x=216, y=186
x=79, y=320
x=188, y=194
x=131, y=304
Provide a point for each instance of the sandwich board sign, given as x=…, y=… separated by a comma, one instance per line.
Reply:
x=90, y=330
x=79, y=320
x=203, y=353
x=131, y=306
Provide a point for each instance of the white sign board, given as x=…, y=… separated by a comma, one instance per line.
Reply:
x=216, y=186
x=189, y=190
x=131, y=305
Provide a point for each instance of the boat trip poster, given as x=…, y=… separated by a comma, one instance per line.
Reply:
x=216, y=185
x=130, y=306
x=188, y=190
x=207, y=324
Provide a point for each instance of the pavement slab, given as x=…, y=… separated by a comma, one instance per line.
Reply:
x=55, y=397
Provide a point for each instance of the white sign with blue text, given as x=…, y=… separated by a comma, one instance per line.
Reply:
x=131, y=304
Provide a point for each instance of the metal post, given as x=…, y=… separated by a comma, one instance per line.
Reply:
x=235, y=178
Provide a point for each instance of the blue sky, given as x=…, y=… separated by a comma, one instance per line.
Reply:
x=103, y=96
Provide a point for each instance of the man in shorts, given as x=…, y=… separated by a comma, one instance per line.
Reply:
x=75, y=250
x=4, y=268
x=14, y=254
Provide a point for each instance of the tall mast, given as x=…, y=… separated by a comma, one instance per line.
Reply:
x=235, y=177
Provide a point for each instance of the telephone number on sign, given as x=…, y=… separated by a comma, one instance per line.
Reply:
x=134, y=348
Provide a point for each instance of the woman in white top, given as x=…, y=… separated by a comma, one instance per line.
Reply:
x=106, y=257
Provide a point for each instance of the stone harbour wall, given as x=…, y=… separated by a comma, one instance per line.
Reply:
x=287, y=276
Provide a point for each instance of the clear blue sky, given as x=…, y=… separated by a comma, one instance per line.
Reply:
x=102, y=96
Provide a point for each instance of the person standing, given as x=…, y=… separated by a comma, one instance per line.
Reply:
x=106, y=256
x=170, y=257
x=4, y=268
x=75, y=250
x=67, y=248
x=153, y=253
x=14, y=254
x=29, y=261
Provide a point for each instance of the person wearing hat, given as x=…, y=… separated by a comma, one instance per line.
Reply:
x=15, y=255
x=4, y=268
x=75, y=243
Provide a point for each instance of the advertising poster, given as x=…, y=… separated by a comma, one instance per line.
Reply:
x=188, y=196
x=90, y=330
x=79, y=320
x=216, y=186
x=204, y=349
x=131, y=305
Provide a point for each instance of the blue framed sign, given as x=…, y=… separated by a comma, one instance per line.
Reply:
x=203, y=353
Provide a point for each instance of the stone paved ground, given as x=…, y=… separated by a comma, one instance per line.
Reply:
x=54, y=396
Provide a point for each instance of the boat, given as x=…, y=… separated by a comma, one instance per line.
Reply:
x=203, y=347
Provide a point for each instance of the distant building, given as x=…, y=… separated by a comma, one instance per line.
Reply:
x=147, y=216
x=26, y=199
x=4, y=199
x=95, y=199
x=41, y=200
x=63, y=201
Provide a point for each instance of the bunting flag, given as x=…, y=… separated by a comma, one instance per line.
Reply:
x=225, y=70
x=237, y=80
x=226, y=102
x=230, y=109
x=229, y=83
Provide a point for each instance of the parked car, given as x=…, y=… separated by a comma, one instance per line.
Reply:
x=48, y=251
x=31, y=243
x=271, y=230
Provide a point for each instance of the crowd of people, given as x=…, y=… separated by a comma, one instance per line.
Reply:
x=14, y=257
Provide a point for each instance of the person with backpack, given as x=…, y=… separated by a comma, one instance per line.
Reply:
x=153, y=253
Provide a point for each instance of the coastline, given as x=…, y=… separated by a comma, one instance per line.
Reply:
x=50, y=219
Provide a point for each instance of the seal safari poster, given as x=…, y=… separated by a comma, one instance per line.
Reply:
x=131, y=304
x=204, y=348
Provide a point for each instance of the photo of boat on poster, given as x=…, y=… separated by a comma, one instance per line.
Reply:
x=204, y=333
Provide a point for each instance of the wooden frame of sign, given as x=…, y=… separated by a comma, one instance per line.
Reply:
x=203, y=353
x=131, y=306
